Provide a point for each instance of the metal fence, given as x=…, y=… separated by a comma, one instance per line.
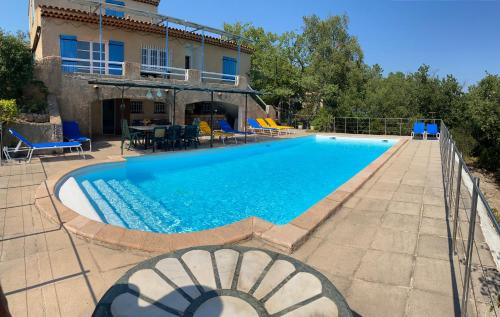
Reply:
x=473, y=228
x=360, y=125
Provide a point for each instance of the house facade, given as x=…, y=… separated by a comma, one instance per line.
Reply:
x=75, y=41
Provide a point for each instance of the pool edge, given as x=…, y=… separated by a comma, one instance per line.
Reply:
x=284, y=237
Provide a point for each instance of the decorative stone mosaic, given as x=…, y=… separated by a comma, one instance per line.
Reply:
x=223, y=282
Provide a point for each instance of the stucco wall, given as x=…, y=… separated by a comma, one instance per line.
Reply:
x=134, y=41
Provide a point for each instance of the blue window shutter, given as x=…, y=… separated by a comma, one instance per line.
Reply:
x=116, y=54
x=68, y=46
x=115, y=13
x=120, y=3
x=228, y=68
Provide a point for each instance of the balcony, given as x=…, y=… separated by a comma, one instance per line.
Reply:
x=89, y=66
x=164, y=71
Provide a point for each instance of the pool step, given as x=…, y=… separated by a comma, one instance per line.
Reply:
x=104, y=209
x=118, y=201
x=153, y=213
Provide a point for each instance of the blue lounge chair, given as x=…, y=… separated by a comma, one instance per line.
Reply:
x=418, y=129
x=32, y=147
x=226, y=127
x=256, y=127
x=71, y=132
x=432, y=129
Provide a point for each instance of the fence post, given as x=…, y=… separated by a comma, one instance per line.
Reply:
x=357, y=125
x=334, y=128
x=457, y=205
x=470, y=243
x=345, y=124
x=452, y=172
x=400, y=126
x=369, y=126
x=385, y=126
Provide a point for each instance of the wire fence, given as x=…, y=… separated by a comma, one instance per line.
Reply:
x=473, y=229
x=360, y=125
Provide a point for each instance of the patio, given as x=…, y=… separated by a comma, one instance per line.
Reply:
x=387, y=249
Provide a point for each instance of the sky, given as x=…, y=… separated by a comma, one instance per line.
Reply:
x=453, y=37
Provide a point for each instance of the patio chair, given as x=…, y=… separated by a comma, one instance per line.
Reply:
x=190, y=136
x=432, y=129
x=273, y=124
x=418, y=129
x=132, y=137
x=174, y=136
x=207, y=131
x=256, y=127
x=32, y=147
x=226, y=127
x=71, y=133
x=158, y=137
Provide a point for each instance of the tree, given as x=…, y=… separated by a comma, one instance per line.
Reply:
x=16, y=65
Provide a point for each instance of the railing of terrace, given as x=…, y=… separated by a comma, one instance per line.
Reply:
x=474, y=230
x=361, y=125
x=219, y=78
x=88, y=66
x=173, y=72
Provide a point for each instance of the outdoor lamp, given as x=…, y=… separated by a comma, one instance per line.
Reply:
x=158, y=93
x=149, y=94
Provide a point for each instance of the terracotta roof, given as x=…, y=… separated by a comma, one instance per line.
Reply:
x=153, y=2
x=134, y=25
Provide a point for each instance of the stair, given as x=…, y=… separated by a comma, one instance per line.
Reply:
x=105, y=211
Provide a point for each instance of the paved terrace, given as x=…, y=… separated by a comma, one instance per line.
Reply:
x=386, y=250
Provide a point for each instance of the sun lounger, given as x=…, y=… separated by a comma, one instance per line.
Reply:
x=256, y=127
x=225, y=127
x=71, y=132
x=418, y=129
x=32, y=147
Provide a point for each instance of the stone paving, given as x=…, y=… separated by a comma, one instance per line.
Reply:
x=386, y=249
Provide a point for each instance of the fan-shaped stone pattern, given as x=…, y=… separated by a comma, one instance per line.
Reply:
x=128, y=305
x=151, y=285
x=227, y=260
x=173, y=270
x=200, y=264
x=252, y=266
x=223, y=282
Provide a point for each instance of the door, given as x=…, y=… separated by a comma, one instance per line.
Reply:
x=108, y=117
x=228, y=68
x=119, y=115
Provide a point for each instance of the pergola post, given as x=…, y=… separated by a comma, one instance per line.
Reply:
x=246, y=117
x=122, y=107
x=212, y=120
x=166, y=51
x=173, y=117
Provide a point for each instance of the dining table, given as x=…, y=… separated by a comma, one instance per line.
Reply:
x=147, y=130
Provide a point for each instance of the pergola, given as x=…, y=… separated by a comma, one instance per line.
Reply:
x=98, y=6
x=125, y=84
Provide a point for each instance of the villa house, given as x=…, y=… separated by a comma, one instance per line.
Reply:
x=77, y=41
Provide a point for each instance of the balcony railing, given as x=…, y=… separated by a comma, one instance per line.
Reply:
x=171, y=72
x=219, y=78
x=87, y=66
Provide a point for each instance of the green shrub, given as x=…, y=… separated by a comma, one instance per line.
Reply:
x=465, y=142
x=8, y=110
x=323, y=121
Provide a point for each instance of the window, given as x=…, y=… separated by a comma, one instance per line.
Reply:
x=136, y=107
x=91, y=57
x=113, y=12
x=187, y=62
x=159, y=107
x=154, y=60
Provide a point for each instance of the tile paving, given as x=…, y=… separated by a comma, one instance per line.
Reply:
x=386, y=249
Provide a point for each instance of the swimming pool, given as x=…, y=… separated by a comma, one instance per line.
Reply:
x=193, y=191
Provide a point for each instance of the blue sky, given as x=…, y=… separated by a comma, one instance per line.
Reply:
x=457, y=37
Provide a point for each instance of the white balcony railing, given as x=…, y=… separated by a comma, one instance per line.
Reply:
x=87, y=66
x=220, y=78
x=172, y=72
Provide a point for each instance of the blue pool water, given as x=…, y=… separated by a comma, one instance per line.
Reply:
x=199, y=190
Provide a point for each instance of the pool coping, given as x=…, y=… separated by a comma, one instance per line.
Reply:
x=286, y=237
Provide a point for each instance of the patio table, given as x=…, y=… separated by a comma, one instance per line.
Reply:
x=147, y=130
